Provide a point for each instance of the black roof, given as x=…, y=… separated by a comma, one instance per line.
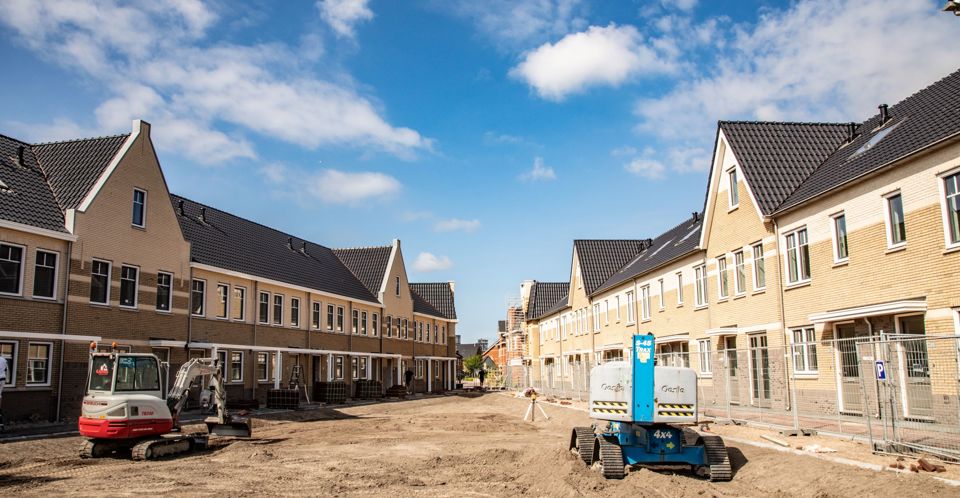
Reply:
x=600, y=259
x=420, y=305
x=25, y=196
x=776, y=157
x=544, y=295
x=669, y=246
x=560, y=305
x=369, y=264
x=232, y=243
x=919, y=121
x=73, y=166
x=438, y=295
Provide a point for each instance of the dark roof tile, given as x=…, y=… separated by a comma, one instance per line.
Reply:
x=543, y=296
x=599, y=259
x=74, y=166
x=438, y=295
x=26, y=197
x=369, y=264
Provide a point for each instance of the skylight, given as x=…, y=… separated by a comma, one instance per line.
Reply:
x=874, y=140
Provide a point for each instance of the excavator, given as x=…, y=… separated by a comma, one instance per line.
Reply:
x=125, y=409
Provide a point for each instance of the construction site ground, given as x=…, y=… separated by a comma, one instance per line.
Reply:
x=462, y=445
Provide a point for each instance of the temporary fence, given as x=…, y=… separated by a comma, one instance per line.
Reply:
x=900, y=393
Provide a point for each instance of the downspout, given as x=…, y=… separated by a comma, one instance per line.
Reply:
x=256, y=320
x=783, y=319
x=63, y=327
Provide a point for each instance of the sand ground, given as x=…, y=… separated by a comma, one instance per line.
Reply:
x=442, y=446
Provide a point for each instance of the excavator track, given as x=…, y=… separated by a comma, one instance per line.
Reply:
x=98, y=448
x=611, y=459
x=717, y=458
x=582, y=440
x=152, y=449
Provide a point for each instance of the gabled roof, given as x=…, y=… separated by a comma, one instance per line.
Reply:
x=669, y=246
x=232, y=243
x=420, y=305
x=73, y=167
x=919, y=121
x=559, y=306
x=776, y=157
x=25, y=196
x=438, y=295
x=369, y=264
x=543, y=296
x=600, y=259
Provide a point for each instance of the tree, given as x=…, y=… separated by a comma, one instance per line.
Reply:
x=473, y=364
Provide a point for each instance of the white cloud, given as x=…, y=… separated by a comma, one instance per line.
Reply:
x=456, y=224
x=342, y=15
x=427, y=262
x=680, y=4
x=540, y=172
x=517, y=25
x=153, y=60
x=626, y=150
x=275, y=173
x=598, y=56
x=646, y=167
x=411, y=216
x=493, y=138
x=340, y=187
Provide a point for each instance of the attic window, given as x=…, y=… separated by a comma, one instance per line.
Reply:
x=874, y=140
x=4, y=187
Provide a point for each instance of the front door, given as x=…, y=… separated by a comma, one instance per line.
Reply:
x=915, y=363
x=733, y=380
x=759, y=370
x=851, y=400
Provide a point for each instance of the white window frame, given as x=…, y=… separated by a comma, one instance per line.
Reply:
x=661, y=287
x=331, y=317
x=12, y=363
x=226, y=301
x=617, y=299
x=733, y=194
x=143, y=210
x=230, y=367
x=203, y=302
x=355, y=321
x=704, y=349
x=700, y=285
x=243, y=304
x=757, y=284
x=889, y=222
x=169, y=294
x=739, y=268
x=277, y=318
x=56, y=274
x=835, y=237
x=46, y=381
x=397, y=284
x=109, y=276
x=945, y=207
x=341, y=318
x=631, y=305
x=363, y=322
x=723, y=278
x=316, y=311
x=799, y=255
x=23, y=264
x=263, y=318
x=295, y=301
x=266, y=371
x=679, y=289
x=375, y=324
x=802, y=350
x=596, y=317
x=645, y=303
x=136, y=288
x=606, y=311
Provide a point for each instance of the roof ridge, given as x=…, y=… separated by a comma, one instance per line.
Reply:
x=807, y=123
x=88, y=139
x=8, y=137
x=360, y=248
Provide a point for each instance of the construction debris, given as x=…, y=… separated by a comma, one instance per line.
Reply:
x=775, y=440
x=925, y=464
x=816, y=448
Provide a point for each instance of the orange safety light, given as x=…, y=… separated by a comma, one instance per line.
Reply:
x=113, y=345
x=93, y=345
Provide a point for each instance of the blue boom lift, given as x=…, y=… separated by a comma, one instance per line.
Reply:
x=651, y=412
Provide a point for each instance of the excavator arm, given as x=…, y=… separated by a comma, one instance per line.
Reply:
x=223, y=423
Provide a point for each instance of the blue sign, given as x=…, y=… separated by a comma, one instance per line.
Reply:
x=881, y=371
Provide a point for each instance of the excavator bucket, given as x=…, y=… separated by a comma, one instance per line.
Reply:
x=236, y=427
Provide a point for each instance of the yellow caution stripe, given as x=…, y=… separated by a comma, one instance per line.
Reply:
x=675, y=414
x=674, y=406
x=617, y=411
x=609, y=403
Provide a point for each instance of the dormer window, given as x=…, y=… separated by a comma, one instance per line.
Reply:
x=734, y=193
x=139, y=208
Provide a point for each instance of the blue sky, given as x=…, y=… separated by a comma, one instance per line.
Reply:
x=484, y=135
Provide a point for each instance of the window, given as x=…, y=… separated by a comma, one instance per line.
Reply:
x=951, y=198
x=840, y=252
x=295, y=312
x=99, y=281
x=45, y=275
x=419, y=328
x=139, y=207
x=739, y=273
x=239, y=304
x=11, y=269
x=263, y=367
x=723, y=281
x=701, y=281
x=804, y=350
x=330, y=317
x=396, y=282
x=645, y=302
x=596, y=317
x=164, y=291
x=356, y=322
x=679, y=288
x=129, y=276
x=197, y=296
x=137, y=374
x=363, y=322
x=264, y=308
x=606, y=311
x=406, y=331
x=759, y=267
x=631, y=307
x=340, y=319
x=798, y=257
x=617, y=302
x=896, y=226
x=338, y=367
x=8, y=350
x=443, y=334
x=734, y=193
x=236, y=366
x=316, y=311
x=436, y=334
x=660, y=285
x=278, y=309
x=388, y=326
x=374, y=324
x=38, y=363
x=223, y=294
x=705, y=356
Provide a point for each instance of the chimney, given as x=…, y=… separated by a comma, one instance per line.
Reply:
x=452, y=286
x=290, y=243
x=303, y=247
x=180, y=207
x=20, y=161
x=851, y=131
x=649, y=242
x=696, y=216
x=884, y=113
x=203, y=214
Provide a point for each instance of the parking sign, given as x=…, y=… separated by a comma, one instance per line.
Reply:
x=881, y=370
